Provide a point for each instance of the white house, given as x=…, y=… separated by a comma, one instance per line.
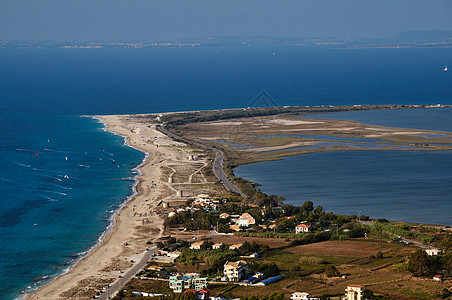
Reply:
x=433, y=251
x=235, y=271
x=302, y=228
x=438, y=278
x=245, y=220
x=196, y=245
x=300, y=296
x=224, y=216
x=236, y=247
x=354, y=292
x=203, y=198
x=217, y=246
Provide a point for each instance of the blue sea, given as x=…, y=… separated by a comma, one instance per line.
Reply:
x=63, y=177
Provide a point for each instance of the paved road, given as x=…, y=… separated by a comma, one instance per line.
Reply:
x=115, y=286
x=217, y=163
x=401, y=239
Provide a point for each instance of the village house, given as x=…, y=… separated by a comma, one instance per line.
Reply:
x=433, y=251
x=235, y=247
x=245, y=220
x=300, y=296
x=203, y=294
x=438, y=278
x=224, y=215
x=203, y=198
x=196, y=245
x=235, y=271
x=179, y=283
x=302, y=228
x=354, y=292
x=217, y=246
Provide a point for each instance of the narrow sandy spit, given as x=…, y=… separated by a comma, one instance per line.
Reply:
x=132, y=229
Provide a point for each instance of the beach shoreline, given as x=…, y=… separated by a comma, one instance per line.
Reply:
x=124, y=242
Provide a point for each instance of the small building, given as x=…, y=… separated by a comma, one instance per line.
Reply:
x=179, y=283
x=236, y=247
x=300, y=296
x=302, y=228
x=196, y=245
x=235, y=271
x=245, y=220
x=224, y=216
x=354, y=292
x=438, y=278
x=203, y=198
x=433, y=251
x=217, y=246
x=204, y=294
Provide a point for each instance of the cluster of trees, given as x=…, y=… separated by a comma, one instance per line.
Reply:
x=274, y=296
x=259, y=198
x=192, y=220
x=172, y=244
x=215, y=115
x=402, y=230
x=268, y=269
x=420, y=264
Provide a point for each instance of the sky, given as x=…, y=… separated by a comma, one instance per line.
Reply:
x=149, y=20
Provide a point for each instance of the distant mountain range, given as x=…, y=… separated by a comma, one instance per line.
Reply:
x=433, y=38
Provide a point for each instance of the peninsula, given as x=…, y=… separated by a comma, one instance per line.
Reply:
x=184, y=154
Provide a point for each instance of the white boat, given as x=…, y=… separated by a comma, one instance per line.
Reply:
x=445, y=69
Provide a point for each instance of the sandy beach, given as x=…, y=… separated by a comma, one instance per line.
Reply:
x=136, y=224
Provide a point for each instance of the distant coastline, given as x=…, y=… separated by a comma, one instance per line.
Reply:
x=410, y=39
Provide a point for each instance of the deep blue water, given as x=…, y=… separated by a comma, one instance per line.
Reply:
x=43, y=92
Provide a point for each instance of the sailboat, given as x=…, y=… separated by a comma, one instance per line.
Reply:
x=445, y=69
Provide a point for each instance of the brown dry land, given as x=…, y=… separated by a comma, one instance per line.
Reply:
x=304, y=268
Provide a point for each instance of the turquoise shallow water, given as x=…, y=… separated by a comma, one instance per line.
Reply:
x=43, y=92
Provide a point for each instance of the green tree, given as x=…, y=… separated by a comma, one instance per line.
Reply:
x=446, y=264
x=446, y=243
x=420, y=264
x=308, y=206
x=332, y=271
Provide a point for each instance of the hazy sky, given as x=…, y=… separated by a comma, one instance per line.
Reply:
x=167, y=19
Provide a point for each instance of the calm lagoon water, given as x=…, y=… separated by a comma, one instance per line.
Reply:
x=410, y=186
x=47, y=220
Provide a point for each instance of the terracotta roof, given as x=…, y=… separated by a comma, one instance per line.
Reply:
x=303, y=225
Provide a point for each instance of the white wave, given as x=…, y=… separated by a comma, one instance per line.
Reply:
x=27, y=150
x=46, y=197
x=56, y=192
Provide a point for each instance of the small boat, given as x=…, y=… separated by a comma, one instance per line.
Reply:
x=445, y=69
